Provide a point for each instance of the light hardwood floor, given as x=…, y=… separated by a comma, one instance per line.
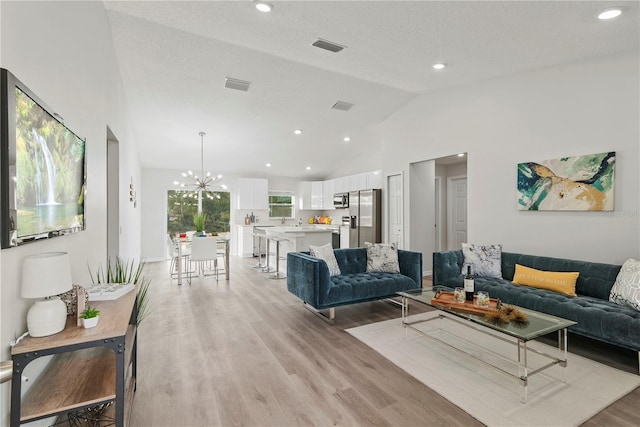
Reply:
x=245, y=352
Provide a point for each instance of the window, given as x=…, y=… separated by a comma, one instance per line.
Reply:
x=281, y=205
x=181, y=207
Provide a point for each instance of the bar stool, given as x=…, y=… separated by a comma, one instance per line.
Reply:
x=268, y=268
x=276, y=274
x=259, y=236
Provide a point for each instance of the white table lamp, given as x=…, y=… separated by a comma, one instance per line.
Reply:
x=45, y=276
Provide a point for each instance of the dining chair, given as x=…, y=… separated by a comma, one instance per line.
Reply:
x=204, y=252
x=174, y=253
x=221, y=259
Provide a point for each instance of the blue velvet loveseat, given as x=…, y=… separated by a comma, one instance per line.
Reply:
x=308, y=278
x=596, y=316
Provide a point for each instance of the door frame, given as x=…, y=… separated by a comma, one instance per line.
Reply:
x=387, y=233
x=438, y=213
x=113, y=195
x=450, y=231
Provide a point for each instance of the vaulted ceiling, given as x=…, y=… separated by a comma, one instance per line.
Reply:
x=174, y=57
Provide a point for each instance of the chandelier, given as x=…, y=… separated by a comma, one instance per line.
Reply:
x=203, y=185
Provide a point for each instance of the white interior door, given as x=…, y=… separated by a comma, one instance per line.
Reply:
x=395, y=202
x=457, y=211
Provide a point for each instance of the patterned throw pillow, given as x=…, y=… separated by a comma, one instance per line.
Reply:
x=485, y=261
x=382, y=257
x=325, y=252
x=626, y=289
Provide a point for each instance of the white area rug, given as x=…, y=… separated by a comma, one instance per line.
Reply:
x=489, y=395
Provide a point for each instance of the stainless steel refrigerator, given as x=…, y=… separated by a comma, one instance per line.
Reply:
x=365, y=208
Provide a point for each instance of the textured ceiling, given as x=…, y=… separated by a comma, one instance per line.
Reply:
x=174, y=57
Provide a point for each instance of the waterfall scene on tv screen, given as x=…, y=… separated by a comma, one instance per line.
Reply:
x=580, y=183
x=49, y=175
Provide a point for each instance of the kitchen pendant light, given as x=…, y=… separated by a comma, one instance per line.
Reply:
x=203, y=185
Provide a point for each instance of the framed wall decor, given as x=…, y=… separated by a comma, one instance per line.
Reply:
x=580, y=183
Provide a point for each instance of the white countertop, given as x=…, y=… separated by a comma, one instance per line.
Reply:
x=303, y=229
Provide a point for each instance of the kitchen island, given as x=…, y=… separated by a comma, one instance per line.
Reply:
x=283, y=239
x=300, y=237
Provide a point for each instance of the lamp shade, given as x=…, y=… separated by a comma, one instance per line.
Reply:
x=46, y=274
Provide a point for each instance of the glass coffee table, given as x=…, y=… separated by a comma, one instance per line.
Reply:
x=516, y=333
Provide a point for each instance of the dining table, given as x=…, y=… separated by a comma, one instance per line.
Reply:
x=184, y=243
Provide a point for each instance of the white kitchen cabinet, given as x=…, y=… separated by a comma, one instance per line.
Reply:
x=253, y=193
x=317, y=196
x=342, y=184
x=374, y=180
x=304, y=195
x=245, y=241
x=358, y=182
x=310, y=195
x=328, y=190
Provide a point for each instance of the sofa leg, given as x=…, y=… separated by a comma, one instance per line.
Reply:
x=327, y=318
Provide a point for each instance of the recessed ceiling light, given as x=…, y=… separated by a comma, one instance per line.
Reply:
x=298, y=131
x=439, y=66
x=263, y=6
x=347, y=139
x=268, y=165
x=308, y=168
x=609, y=14
x=461, y=155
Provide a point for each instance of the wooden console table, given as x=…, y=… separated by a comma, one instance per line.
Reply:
x=89, y=367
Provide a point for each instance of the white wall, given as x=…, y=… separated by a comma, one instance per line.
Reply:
x=422, y=212
x=581, y=108
x=63, y=52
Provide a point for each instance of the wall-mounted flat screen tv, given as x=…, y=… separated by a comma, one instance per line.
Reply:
x=42, y=166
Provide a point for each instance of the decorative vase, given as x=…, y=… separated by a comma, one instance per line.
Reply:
x=90, y=323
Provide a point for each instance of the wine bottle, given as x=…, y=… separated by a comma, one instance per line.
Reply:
x=468, y=285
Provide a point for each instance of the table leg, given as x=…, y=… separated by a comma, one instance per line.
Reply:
x=524, y=371
x=226, y=259
x=179, y=264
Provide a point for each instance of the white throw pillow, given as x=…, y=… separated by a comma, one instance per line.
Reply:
x=382, y=257
x=325, y=252
x=626, y=289
x=485, y=261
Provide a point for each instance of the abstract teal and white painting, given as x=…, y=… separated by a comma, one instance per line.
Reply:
x=580, y=183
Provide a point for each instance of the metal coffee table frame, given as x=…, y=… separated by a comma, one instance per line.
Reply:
x=473, y=322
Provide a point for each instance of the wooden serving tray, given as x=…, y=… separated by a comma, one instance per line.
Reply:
x=444, y=300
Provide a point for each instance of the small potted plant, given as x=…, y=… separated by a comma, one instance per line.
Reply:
x=90, y=317
x=198, y=221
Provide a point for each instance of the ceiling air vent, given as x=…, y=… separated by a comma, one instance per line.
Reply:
x=231, y=83
x=342, y=106
x=327, y=45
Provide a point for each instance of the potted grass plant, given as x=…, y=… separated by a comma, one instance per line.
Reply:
x=126, y=271
x=198, y=221
x=90, y=317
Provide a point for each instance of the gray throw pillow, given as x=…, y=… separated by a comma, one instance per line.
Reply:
x=485, y=261
x=325, y=252
x=626, y=289
x=382, y=257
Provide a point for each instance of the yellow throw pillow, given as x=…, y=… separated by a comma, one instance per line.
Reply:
x=563, y=282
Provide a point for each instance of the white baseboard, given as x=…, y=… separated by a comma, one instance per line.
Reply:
x=427, y=273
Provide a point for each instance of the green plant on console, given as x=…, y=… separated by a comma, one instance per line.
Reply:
x=199, y=220
x=129, y=271
x=90, y=313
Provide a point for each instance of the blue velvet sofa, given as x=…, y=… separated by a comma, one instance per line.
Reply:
x=308, y=278
x=596, y=316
